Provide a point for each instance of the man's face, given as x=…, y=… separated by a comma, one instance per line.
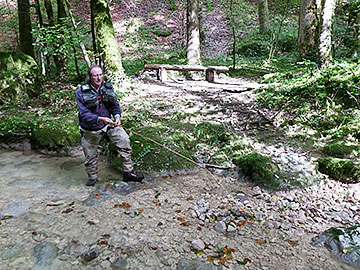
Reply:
x=96, y=77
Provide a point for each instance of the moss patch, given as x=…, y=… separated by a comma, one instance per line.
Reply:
x=340, y=169
x=56, y=135
x=260, y=169
x=339, y=150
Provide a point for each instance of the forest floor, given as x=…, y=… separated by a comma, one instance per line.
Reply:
x=189, y=220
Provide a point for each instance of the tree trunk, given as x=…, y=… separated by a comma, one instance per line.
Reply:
x=193, y=33
x=308, y=29
x=26, y=39
x=325, y=35
x=106, y=42
x=263, y=9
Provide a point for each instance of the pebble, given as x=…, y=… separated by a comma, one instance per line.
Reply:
x=220, y=226
x=198, y=244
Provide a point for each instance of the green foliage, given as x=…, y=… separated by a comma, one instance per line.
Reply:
x=260, y=169
x=325, y=100
x=59, y=39
x=340, y=169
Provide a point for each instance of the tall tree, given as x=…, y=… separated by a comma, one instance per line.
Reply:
x=193, y=33
x=106, y=42
x=25, y=35
x=263, y=9
x=325, y=34
x=308, y=29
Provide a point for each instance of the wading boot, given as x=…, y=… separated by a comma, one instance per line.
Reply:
x=132, y=177
x=91, y=182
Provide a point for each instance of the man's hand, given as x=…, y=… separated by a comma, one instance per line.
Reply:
x=106, y=120
x=117, y=120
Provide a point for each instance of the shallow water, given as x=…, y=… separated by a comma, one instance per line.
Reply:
x=35, y=177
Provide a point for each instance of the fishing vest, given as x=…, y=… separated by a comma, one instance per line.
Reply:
x=92, y=98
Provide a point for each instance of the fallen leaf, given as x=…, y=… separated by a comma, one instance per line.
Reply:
x=71, y=204
x=108, y=186
x=245, y=261
x=180, y=219
x=103, y=242
x=140, y=210
x=6, y=217
x=166, y=177
x=260, y=242
x=232, y=250
x=292, y=243
x=345, y=250
x=199, y=228
x=34, y=233
x=166, y=201
x=178, y=211
x=229, y=257
x=190, y=199
x=186, y=224
x=116, y=205
x=212, y=258
x=125, y=205
x=241, y=223
x=222, y=261
x=97, y=196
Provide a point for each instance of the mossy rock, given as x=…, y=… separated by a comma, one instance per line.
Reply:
x=339, y=150
x=343, y=170
x=56, y=136
x=337, y=239
x=259, y=169
x=19, y=76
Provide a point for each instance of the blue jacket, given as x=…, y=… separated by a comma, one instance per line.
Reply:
x=89, y=115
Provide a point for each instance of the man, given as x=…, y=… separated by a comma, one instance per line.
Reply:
x=97, y=103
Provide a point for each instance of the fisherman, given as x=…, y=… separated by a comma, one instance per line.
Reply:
x=97, y=104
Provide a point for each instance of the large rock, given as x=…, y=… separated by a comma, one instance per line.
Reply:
x=19, y=76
